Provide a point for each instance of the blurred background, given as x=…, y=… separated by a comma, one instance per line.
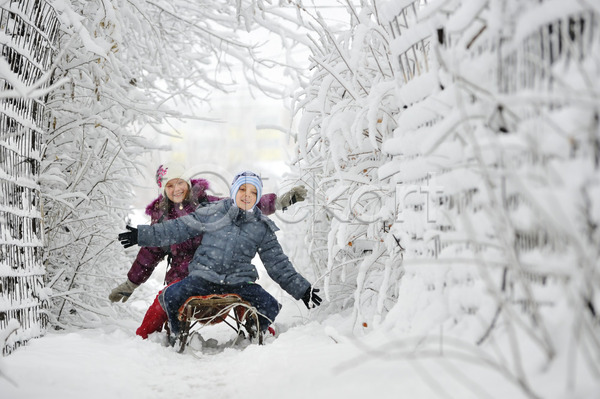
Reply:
x=244, y=133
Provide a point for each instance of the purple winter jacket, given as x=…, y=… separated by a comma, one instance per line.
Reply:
x=182, y=253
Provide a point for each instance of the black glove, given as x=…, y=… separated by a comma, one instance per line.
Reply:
x=311, y=295
x=129, y=238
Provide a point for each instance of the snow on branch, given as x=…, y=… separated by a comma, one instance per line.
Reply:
x=475, y=157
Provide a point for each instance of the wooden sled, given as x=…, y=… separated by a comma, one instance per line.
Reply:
x=230, y=309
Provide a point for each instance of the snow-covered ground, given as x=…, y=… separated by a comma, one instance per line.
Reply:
x=309, y=359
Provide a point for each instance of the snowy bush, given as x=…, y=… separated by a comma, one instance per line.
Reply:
x=452, y=150
x=129, y=66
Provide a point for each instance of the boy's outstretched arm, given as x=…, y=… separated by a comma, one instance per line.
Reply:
x=282, y=271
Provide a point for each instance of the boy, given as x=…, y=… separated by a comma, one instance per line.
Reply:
x=234, y=232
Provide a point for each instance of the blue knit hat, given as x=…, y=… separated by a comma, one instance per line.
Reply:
x=246, y=178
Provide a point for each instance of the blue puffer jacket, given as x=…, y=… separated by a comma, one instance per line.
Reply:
x=232, y=237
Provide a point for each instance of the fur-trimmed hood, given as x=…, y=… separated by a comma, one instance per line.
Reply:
x=199, y=189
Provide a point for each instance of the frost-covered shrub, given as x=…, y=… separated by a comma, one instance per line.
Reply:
x=129, y=66
x=452, y=150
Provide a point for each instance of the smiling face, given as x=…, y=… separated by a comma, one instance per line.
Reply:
x=176, y=190
x=246, y=197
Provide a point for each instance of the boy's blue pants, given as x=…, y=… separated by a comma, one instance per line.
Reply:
x=176, y=294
